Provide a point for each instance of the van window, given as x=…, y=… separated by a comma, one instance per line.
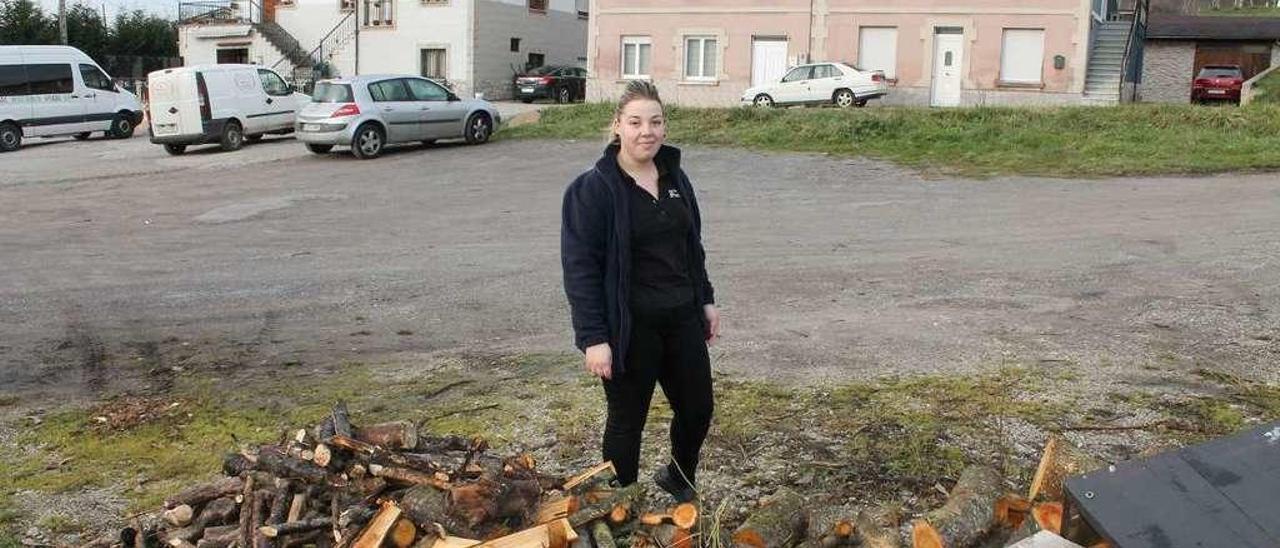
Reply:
x=272, y=83
x=50, y=79
x=13, y=80
x=328, y=92
x=95, y=79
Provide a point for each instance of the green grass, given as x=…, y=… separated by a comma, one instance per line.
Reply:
x=988, y=141
x=1258, y=11
x=1267, y=90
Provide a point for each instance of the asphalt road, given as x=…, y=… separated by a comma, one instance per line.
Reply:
x=118, y=261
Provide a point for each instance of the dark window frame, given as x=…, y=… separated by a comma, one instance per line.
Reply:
x=264, y=73
x=21, y=84
x=400, y=81
x=66, y=83
x=97, y=72
x=444, y=92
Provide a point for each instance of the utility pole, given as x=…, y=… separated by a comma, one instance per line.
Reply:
x=62, y=21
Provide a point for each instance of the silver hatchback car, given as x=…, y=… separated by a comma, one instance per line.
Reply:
x=369, y=112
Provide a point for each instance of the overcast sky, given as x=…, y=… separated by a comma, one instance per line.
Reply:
x=166, y=8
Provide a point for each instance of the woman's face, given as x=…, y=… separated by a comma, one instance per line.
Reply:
x=641, y=129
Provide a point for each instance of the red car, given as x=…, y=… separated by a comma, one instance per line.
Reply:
x=1217, y=83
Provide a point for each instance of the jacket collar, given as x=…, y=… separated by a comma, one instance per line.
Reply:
x=667, y=159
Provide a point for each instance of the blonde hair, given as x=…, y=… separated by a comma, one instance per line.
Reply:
x=636, y=90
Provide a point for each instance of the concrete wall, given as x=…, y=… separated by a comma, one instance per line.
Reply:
x=1166, y=71
x=833, y=35
x=396, y=49
x=199, y=45
x=558, y=34
x=310, y=20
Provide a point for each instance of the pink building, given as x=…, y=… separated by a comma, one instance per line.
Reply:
x=940, y=52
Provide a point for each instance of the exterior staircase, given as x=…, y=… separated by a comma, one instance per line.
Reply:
x=285, y=42
x=1106, y=62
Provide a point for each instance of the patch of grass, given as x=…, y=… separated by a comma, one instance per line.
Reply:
x=986, y=141
x=1267, y=90
x=60, y=524
x=1261, y=400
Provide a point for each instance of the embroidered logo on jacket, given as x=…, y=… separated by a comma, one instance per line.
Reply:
x=673, y=193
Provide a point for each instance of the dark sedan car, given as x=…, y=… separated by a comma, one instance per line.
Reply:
x=1217, y=83
x=563, y=84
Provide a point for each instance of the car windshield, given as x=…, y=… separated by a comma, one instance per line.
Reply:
x=327, y=92
x=543, y=71
x=1220, y=72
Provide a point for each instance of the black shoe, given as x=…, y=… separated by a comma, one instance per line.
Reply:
x=676, y=486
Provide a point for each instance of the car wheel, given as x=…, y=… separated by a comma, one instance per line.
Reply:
x=121, y=127
x=479, y=128
x=844, y=98
x=368, y=142
x=564, y=96
x=319, y=149
x=253, y=138
x=175, y=150
x=81, y=136
x=232, y=136
x=763, y=101
x=10, y=137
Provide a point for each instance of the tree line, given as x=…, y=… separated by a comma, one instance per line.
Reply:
x=134, y=33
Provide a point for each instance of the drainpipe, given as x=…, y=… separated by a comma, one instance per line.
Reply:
x=356, y=14
x=808, y=53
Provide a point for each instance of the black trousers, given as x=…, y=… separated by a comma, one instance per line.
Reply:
x=668, y=348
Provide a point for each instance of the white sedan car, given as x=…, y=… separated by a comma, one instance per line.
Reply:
x=820, y=83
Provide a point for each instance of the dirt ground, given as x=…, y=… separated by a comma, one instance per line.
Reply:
x=126, y=270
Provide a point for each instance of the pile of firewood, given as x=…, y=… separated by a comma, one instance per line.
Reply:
x=339, y=485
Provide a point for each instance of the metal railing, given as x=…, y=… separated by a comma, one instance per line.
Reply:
x=331, y=42
x=1131, y=66
x=220, y=11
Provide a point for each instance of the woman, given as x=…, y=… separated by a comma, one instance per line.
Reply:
x=635, y=274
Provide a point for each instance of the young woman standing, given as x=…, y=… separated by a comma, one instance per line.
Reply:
x=635, y=274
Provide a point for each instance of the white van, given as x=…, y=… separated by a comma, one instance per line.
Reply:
x=224, y=104
x=58, y=90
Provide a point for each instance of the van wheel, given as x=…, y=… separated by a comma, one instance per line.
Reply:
x=10, y=137
x=368, y=142
x=479, y=128
x=175, y=150
x=844, y=98
x=253, y=138
x=232, y=136
x=121, y=127
x=319, y=149
x=81, y=136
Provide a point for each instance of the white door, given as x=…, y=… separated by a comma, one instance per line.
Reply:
x=822, y=86
x=948, y=57
x=57, y=107
x=768, y=60
x=794, y=86
x=102, y=98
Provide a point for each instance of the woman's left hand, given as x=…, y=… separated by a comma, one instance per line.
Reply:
x=713, y=322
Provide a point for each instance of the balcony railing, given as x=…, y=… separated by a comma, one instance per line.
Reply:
x=220, y=11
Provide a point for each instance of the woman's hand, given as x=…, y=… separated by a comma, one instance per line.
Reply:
x=713, y=323
x=599, y=360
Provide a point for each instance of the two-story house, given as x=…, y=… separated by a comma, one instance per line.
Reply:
x=1006, y=51
x=476, y=46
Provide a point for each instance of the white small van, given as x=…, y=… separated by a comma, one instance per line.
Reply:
x=224, y=104
x=47, y=91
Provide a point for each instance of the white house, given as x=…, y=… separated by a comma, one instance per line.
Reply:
x=476, y=46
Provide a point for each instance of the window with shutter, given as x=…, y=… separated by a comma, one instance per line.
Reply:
x=878, y=50
x=1022, y=56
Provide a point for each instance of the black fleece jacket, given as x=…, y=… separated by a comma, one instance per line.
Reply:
x=595, y=252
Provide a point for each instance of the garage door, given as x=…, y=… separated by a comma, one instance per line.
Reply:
x=768, y=60
x=1251, y=57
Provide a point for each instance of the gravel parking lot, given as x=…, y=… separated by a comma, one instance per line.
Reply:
x=826, y=268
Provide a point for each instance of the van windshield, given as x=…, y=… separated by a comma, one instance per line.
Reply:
x=327, y=92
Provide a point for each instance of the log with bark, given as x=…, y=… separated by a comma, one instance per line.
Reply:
x=276, y=463
x=375, y=533
x=389, y=435
x=219, y=537
x=603, y=535
x=341, y=420
x=683, y=516
x=667, y=535
x=299, y=526
x=782, y=521
x=217, y=512
x=632, y=495
x=967, y=516
x=408, y=476
x=491, y=500
x=879, y=528
x=201, y=494
x=1011, y=509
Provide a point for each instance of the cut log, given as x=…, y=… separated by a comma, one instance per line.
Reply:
x=219, y=537
x=408, y=476
x=236, y=464
x=262, y=502
x=632, y=495
x=201, y=494
x=683, y=516
x=323, y=431
x=247, y=504
x=379, y=527
x=1059, y=461
x=291, y=527
x=403, y=533
x=780, y=522
x=297, y=506
x=670, y=536
x=217, y=512
x=539, y=535
x=879, y=528
x=322, y=455
x=280, y=504
x=178, y=516
x=1046, y=516
x=968, y=514
x=604, y=470
x=602, y=535
x=1011, y=509
x=273, y=461
x=620, y=514
x=487, y=500
x=555, y=509
x=341, y=420
x=389, y=435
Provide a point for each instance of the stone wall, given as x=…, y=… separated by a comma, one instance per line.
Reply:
x=1167, y=71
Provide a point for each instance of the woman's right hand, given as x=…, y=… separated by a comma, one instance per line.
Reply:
x=599, y=360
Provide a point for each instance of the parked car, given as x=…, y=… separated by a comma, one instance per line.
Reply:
x=47, y=91
x=563, y=84
x=223, y=104
x=820, y=83
x=371, y=111
x=1217, y=83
